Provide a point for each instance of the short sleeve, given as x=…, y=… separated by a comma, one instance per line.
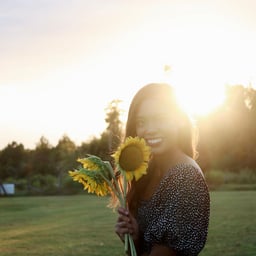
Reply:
x=182, y=212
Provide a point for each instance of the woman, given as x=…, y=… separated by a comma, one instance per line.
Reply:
x=169, y=207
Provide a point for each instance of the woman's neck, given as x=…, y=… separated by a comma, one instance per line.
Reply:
x=167, y=160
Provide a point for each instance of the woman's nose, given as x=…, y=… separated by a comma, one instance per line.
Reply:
x=151, y=127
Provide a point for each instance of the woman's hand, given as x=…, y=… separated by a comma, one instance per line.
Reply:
x=126, y=224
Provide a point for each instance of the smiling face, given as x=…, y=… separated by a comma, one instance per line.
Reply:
x=157, y=125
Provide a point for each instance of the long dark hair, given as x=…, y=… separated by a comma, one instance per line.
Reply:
x=186, y=141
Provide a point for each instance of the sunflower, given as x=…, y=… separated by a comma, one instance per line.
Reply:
x=98, y=176
x=92, y=175
x=132, y=157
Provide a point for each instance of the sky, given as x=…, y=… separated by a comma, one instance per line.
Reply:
x=62, y=62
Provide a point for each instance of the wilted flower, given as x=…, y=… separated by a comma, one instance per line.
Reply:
x=94, y=175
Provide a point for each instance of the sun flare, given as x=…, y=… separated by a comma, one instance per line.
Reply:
x=199, y=100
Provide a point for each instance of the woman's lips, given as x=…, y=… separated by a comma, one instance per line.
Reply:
x=154, y=141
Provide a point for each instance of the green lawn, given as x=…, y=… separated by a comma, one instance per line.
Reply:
x=83, y=225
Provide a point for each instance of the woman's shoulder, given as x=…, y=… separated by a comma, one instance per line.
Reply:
x=185, y=163
x=187, y=169
x=183, y=179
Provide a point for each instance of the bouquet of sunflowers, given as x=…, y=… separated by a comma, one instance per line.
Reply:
x=99, y=177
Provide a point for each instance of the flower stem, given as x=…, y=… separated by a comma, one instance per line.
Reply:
x=116, y=185
x=124, y=192
x=127, y=237
x=132, y=247
x=119, y=196
x=126, y=243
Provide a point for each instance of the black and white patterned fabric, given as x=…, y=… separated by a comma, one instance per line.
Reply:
x=177, y=214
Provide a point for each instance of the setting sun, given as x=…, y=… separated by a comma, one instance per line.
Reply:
x=199, y=102
x=198, y=95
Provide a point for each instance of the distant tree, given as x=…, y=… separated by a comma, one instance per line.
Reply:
x=251, y=135
x=65, y=156
x=96, y=146
x=106, y=144
x=114, y=124
x=12, y=161
x=65, y=151
x=228, y=135
x=42, y=158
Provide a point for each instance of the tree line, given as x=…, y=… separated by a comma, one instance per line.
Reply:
x=227, y=139
x=44, y=170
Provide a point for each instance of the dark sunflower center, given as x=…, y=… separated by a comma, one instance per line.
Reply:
x=131, y=158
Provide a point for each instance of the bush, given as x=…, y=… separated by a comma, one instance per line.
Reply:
x=214, y=178
x=42, y=185
x=71, y=187
x=244, y=176
x=242, y=180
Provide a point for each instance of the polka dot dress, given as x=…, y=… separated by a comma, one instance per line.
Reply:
x=177, y=214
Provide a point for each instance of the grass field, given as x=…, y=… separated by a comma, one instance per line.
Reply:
x=83, y=225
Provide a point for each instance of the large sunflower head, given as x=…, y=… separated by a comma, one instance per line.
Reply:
x=132, y=157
